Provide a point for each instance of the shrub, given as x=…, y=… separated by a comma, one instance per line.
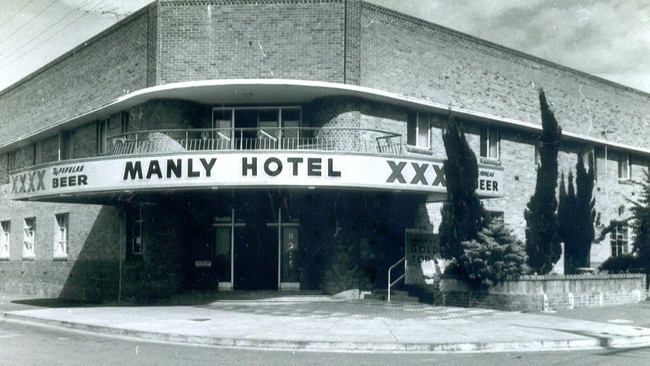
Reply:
x=496, y=255
x=620, y=264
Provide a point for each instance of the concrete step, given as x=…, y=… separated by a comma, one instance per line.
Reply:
x=395, y=295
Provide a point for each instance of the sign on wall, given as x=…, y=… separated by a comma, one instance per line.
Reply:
x=224, y=170
x=421, y=250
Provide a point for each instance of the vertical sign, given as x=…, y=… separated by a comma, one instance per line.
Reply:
x=289, y=256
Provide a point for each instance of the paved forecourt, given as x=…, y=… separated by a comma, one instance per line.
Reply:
x=323, y=324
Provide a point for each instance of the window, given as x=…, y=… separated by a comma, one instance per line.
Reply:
x=590, y=156
x=66, y=145
x=496, y=216
x=256, y=128
x=100, y=136
x=624, y=167
x=619, y=240
x=291, y=122
x=61, y=236
x=135, y=231
x=29, y=228
x=490, y=142
x=5, y=230
x=418, y=130
x=37, y=153
x=11, y=161
x=124, y=122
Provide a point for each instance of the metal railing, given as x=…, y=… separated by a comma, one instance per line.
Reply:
x=232, y=139
x=391, y=284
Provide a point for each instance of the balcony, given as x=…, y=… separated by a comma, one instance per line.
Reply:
x=349, y=140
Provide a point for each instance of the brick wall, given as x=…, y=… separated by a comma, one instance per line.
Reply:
x=90, y=270
x=261, y=39
x=161, y=115
x=352, y=42
x=104, y=68
x=541, y=293
x=415, y=58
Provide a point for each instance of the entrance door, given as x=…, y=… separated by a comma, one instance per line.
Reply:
x=227, y=232
x=256, y=255
x=255, y=260
x=288, y=277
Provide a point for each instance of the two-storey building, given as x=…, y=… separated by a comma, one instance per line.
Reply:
x=272, y=145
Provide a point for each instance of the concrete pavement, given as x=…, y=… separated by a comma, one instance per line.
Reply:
x=327, y=324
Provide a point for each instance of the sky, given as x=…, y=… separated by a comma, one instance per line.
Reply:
x=606, y=38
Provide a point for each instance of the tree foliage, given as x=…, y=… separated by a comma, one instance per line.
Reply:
x=641, y=224
x=576, y=216
x=495, y=255
x=462, y=214
x=566, y=211
x=542, y=237
x=482, y=251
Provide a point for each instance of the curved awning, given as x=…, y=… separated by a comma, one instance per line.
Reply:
x=283, y=91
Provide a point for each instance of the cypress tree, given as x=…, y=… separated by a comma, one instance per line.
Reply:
x=566, y=219
x=585, y=214
x=542, y=238
x=462, y=214
x=576, y=217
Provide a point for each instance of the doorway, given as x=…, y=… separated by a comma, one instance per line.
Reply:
x=255, y=254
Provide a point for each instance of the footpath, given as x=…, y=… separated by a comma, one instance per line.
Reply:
x=321, y=323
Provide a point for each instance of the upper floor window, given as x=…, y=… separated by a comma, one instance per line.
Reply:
x=66, y=145
x=37, y=153
x=101, y=133
x=255, y=128
x=124, y=122
x=624, y=167
x=589, y=156
x=5, y=235
x=490, y=144
x=619, y=239
x=11, y=161
x=418, y=130
x=60, y=246
x=29, y=230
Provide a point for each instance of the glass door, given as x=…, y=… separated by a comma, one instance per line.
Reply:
x=288, y=255
x=222, y=125
x=226, y=232
x=269, y=131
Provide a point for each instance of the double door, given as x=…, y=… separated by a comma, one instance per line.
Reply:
x=256, y=254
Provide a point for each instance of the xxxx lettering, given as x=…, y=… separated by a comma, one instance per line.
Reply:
x=28, y=182
x=418, y=176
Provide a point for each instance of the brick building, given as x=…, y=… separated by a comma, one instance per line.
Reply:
x=279, y=145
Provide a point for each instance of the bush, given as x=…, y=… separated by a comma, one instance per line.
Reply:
x=496, y=255
x=621, y=264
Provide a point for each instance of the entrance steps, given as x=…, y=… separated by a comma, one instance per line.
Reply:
x=266, y=295
x=406, y=293
x=395, y=295
x=208, y=296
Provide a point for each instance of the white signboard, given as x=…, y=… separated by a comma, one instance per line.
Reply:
x=422, y=253
x=226, y=170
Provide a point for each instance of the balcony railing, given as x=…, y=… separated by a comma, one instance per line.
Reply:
x=234, y=139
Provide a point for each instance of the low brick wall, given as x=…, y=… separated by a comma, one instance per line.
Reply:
x=542, y=293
